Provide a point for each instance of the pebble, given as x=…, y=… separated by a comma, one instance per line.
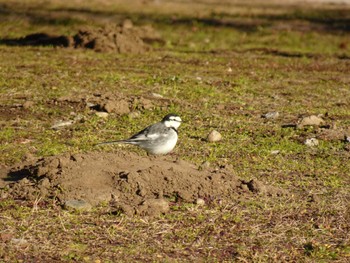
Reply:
x=61, y=124
x=311, y=142
x=200, y=202
x=80, y=205
x=214, y=136
x=102, y=114
x=157, y=95
x=91, y=105
x=134, y=114
x=274, y=152
x=271, y=115
x=312, y=120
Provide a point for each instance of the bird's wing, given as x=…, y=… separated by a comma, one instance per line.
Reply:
x=150, y=133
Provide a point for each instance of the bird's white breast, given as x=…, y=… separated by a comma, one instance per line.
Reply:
x=167, y=146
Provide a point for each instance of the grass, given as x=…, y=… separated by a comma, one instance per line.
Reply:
x=216, y=77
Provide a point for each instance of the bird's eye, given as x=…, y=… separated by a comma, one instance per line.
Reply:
x=175, y=118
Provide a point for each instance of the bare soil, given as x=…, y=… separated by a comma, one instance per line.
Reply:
x=132, y=183
x=122, y=39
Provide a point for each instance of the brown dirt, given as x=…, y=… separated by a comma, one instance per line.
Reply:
x=124, y=38
x=133, y=184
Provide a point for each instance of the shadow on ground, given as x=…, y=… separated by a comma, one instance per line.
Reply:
x=335, y=20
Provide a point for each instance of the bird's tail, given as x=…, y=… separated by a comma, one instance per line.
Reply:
x=111, y=142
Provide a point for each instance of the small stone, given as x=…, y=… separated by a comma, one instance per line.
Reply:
x=229, y=70
x=274, y=152
x=28, y=104
x=200, y=202
x=157, y=95
x=61, y=124
x=271, y=115
x=91, y=105
x=311, y=142
x=102, y=114
x=214, y=136
x=134, y=114
x=80, y=205
x=312, y=120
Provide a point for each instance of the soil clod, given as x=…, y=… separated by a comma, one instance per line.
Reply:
x=135, y=184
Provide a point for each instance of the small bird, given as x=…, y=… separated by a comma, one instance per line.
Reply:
x=158, y=138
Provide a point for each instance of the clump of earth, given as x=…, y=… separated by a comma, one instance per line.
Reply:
x=131, y=183
x=123, y=38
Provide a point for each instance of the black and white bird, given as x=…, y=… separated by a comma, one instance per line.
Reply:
x=158, y=138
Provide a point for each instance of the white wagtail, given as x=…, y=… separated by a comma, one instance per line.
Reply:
x=158, y=138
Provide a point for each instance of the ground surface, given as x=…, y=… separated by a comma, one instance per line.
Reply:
x=272, y=78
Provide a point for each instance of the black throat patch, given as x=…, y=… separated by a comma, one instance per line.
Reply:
x=174, y=129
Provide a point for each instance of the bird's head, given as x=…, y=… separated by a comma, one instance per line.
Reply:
x=172, y=121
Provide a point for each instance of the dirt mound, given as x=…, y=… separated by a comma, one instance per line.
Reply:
x=124, y=38
x=132, y=183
